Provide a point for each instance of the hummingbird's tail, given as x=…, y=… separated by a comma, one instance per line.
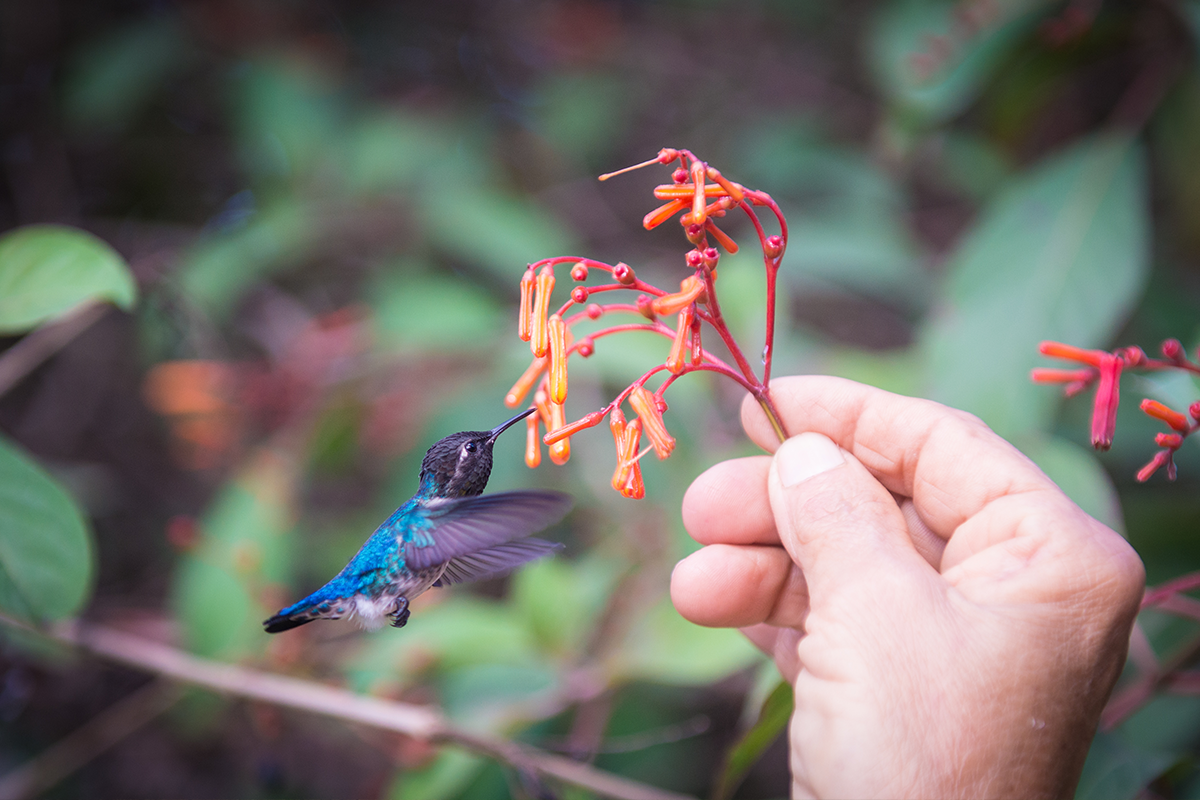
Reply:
x=328, y=602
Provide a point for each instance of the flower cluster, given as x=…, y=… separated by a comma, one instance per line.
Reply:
x=1104, y=369
x=700, y=195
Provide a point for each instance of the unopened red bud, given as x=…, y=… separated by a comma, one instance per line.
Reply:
x=585, y=348
x=594, y=311
x=623, y=273
x=1134, y=356
x=525, y=314
x=646, y=406
x=694, y=233
x=541, y=307
x=773, y=247
x=579, y=294
x=645, y=306
x=1173, y=349
x=667, y=155
x=587, y=421
x=557, y=335
x=1171, y=440
x=694, y=259
x=711, y=256
x=1170, y=416
x=533, y=445
x=579, y=272
x=680, y=175
x=1194, y=410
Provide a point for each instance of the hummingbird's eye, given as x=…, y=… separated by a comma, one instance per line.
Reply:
x=470, y=447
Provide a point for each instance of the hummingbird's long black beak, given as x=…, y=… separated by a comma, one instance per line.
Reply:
x=503, y=426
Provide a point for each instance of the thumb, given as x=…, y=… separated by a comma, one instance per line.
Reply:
x=834, y=518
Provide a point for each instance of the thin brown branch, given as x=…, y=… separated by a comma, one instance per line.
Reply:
x=25, y=356
x=98, y=734
x=417, y=721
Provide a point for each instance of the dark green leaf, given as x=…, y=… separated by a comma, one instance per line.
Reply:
x=45, y=546
x=48, y=270
x=1115, y=770
x=1061, y=254
x=745, y=752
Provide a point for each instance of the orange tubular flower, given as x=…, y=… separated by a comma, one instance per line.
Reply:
x=698, y=197
x=516, y=395
x=538, y=341
x=722, y=239
x=647, y=409
x=634, y=489
x=588, y=421
x=533, y=447
x=1071, y=353
x=686, y=191
x=560, y=451
x=628, y=439
x=690, y=289
x=525, y=314
x=1170, y=416
x=543, y=406
x=732, y=188
x=663, y=213
x=557, y=337
x=679, y=348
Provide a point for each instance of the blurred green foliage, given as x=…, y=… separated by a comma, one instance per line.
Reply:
x=332, y=203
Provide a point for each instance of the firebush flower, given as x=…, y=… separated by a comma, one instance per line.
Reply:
x=1104, y=369
x=701, y=197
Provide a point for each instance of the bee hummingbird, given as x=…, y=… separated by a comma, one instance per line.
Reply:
x=448, y=532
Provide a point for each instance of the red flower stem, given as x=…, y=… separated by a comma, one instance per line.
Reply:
x=662, y=330
x=1183, y=584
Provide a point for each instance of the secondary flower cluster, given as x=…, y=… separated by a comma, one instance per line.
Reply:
x=1104, y=369
x=700, y=195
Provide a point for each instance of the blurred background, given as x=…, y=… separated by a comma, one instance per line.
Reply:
x=327, y=207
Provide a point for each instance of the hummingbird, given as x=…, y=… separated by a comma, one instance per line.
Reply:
x=448, y=532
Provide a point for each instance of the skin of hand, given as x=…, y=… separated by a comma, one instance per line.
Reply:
x=951, y=622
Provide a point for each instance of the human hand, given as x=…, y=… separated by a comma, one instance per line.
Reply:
x=951, y=623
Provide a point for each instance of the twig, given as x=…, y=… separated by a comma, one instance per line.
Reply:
x=24, y=356
x=417, y=721
x=95, y=736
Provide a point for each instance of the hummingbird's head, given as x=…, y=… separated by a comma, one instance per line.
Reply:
x=461, y=464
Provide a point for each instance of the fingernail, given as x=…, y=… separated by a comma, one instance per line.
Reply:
x=806, y=455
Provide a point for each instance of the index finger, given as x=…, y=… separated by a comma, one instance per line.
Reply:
x=949, y=462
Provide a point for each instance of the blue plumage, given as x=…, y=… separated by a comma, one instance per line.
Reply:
x=448, y=532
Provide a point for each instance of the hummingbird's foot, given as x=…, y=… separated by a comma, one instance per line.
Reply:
x=401, y=614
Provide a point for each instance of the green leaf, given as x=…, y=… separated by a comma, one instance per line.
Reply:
x=1077, y=472
x=664, y=647
x=223, y=586
x=490, y=230
x=1115, y=770
x=46, y=561
x=745, y=752
x=447, y=776
x=1061, y=254
x=48, y=270
x=903, y=31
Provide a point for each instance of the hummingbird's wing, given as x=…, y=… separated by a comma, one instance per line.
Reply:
x=466, y=525
x=495, y=560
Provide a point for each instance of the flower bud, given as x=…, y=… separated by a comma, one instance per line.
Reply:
x=773, y=247
x=594, y=311
x=585, y=348
x=1173, y=350
x=691, y=290
x=663, y=213
x=1171, y=440
x=711, y=255
x=533, y=445
x=699, y=203
x=722, y=239
x=694, y=259
x=579, y=294
x=1194, y=410
x=645, y=306
x=525, y=314
x=735, y=191
x=1160, y=458
x=557, y=336
x=583, y=423
x=646, y=406
x=579, y=272
x=680, y=175
x=694, y=233
x=538, y=342
x=623, y=273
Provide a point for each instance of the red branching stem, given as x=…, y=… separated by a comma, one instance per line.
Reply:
x=1158, y=594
